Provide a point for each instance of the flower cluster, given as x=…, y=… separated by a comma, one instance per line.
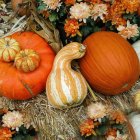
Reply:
x=103, y=121
x=13, y=125
x=76, y=19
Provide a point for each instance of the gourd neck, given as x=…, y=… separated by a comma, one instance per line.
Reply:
x=63, y=62
x=70, y=52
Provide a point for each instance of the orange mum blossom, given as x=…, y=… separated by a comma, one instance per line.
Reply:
x=115, y=13
x=117, y=20
x=5, y=133
x=71, y=27
x=117, y=8
x=86, y=128
x=131, y=5
x=118, y=116
x=139, y=10
x=94, y=1
x=2, y=111
x=70, y=2
x=111, y=132
x=45, y=14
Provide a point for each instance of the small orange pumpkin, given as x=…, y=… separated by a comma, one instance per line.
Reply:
x=26, y=77
x=110, y=65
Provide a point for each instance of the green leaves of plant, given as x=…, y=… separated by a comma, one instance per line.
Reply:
x=41, y=7
x=53, y=17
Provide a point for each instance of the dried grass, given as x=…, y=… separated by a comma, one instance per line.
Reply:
x=52, y=124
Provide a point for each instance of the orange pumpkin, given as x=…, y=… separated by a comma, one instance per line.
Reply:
x=18, y=84
x=110, y=65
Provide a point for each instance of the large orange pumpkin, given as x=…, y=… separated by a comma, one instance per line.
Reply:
x=110, y=65
x=20, y=85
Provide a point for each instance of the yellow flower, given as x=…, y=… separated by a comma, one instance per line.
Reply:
x=130, y=31
x=80, y=11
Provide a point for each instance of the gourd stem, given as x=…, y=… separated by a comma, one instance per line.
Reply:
x=91, y=92
x=89, y=88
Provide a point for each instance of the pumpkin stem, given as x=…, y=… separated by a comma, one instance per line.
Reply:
x=27, y=60
x=7, y=44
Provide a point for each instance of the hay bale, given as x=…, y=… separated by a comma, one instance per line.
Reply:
x=52, y=124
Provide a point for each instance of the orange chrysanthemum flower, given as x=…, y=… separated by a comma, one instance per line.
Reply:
x=118, y=116
x=117, y=20
x=131, y=5
x=117, y=8
x=94, y=1
x=115, y=12
x=71, y=27
x=86, y=128
x=45, y=14
x=139, y=10
x=2, y=111
x=112, y=132
x=5, y=133
x=70, y=2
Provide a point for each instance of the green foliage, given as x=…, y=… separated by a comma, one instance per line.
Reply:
x=101, y=130
x=118, y=126
x=86, y=30
x=53, y=17
x=24, y=134
x=22, y=137
x=105, y=120
x=41, y=7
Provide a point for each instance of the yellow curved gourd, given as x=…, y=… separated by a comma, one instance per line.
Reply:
x=66, y=87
